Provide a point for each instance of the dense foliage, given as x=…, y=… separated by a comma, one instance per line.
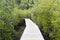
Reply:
x=45, y=13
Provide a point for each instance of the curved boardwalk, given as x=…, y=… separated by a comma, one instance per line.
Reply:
x=31, y=31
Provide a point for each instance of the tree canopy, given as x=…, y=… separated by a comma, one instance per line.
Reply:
x=45, y=13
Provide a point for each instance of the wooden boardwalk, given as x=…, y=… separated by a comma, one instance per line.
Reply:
x=31, y=31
